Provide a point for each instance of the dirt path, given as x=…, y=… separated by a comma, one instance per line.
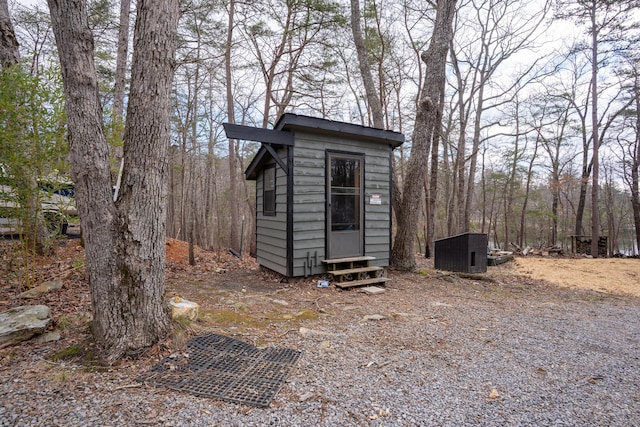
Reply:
x=618, y=276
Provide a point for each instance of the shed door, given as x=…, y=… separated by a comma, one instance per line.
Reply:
x=344, y=191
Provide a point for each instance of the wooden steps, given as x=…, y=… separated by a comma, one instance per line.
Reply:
x=355, y=271
x=355, y=259
x=362, y=282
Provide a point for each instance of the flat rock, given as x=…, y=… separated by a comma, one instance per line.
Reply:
x=48, y=337
x=22, y=323
x=40, y=290
x=372, y=290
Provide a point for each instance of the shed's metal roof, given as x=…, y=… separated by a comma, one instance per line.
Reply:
x=283, y=135
x=290, y=121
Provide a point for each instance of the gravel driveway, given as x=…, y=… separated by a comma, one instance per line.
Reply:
x=450, y=352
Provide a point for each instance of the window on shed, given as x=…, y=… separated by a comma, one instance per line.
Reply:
x=269, y=191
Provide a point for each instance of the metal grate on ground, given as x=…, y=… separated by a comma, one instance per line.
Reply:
x=224, y=368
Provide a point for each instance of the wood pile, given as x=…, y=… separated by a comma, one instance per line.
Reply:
x=545, y=251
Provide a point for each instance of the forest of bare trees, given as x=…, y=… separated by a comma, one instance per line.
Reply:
x=537, y=132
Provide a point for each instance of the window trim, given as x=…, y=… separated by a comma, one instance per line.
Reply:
x=269, y=210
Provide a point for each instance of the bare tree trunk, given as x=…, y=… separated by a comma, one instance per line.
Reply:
x=120, y=79
x=631, y=154
x=483, y=183
x=433, y=181
x=459, y=182
x=511, y=184
x=184, y=158
x=373, y=100
x=595, y=208
x=124, y=243
x=610, y=209
x=635, y=165
x=191, y=235
x=210, y=173
x=582, y=198
x=474, y=160
x=424, y=135
x=450, y=179
x=523, y=229
x=635, y=191
x=144, y=320
x=121, y=59
x=427, y=207
x=234, y=236
x=171, y=204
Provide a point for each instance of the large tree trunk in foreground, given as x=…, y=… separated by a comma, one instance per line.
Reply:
x=426, y=133
x=124, y=242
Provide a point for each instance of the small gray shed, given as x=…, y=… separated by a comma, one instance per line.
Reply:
x=323, y=191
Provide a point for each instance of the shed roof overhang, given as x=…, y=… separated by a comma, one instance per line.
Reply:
x=268, y=138
x=283, y=136
x=290, y=121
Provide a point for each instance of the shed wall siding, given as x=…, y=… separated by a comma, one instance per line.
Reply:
x=309, y=204
x=271, y=231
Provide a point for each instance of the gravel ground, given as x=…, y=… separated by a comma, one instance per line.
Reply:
x=451, y=352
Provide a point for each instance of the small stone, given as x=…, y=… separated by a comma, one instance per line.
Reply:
x=279, y=302
x=325, y=344
x=374, y=317
x=306, y=396
x=307, y=332
x=48, y=337
x=400, y=314
x=239, y=305
x=440, y=304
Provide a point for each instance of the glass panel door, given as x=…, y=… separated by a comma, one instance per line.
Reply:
x=345, y=205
